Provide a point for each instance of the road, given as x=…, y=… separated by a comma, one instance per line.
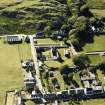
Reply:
x=34, y=55
x=96, y=52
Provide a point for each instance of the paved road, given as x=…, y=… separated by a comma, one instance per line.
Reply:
x=34, y=54
x=96, y=52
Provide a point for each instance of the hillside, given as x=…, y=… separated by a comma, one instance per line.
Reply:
x=96, y=4
x=24, y=16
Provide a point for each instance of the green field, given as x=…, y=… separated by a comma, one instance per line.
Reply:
x=49, y=41
x=98, y=45
x=93, y=102
x=95, y=59
x=29, y=103
x=11, y=76
x=97, y=4
x=58, y=64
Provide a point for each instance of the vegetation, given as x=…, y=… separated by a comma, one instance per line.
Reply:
x=98, y=44
x=35, y=15
x=81, y=60
x=11, y=63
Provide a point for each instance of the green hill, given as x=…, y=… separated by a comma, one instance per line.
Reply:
x=25, y=16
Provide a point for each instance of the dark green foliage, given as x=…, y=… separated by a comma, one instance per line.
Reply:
x=64, y=69
x=101, y=66
x=81, y=60
x=46, y=75
x=84, y=10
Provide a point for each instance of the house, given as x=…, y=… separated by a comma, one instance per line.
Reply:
x=67, y=53
x=29, y=81
x=72, y=92
x=58, y=35
x=54, y=53
x=49, y=96
x=89, y=79
x=89, y=91
x=59, y=95
x=97, y=90
x=13, y=39
x=65, y=94
x=80, y=91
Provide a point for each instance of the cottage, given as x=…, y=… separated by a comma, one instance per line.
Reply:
x=89, y=91
x=98, y=90
x=14, y=39
x=72, y=92
x=80, y=91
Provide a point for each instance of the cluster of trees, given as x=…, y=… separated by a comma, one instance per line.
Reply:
x=81, y=61
x=67, y=74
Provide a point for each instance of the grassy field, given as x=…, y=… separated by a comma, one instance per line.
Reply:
x=95, y=59
x=58, y=64
x=11, y=76
x=97, y=4
x=98, y=12
x=93, y=102
x=98, y=44
x=30, y=103
x=48, y=41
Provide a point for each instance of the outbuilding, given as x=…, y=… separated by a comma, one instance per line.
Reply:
x=13, y=39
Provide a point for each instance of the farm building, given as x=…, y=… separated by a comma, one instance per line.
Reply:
x=14, y=39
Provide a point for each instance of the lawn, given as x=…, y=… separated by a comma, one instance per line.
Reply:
x=76, y=77
x=11, y=76
x=93, y=102
x=95, y=59
x=98, y=12
x=48, y=41
x=97, y=4
x=53, y=63
x=98, y=44
x=101, y=76
x=29, y=103
x=61, y=82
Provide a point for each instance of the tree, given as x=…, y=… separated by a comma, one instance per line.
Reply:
x=82, y=25
x=47, y=30
x=65, y=28
x=101, y=65
x=71, y=20
x=64, y=69
x=70, y=76
x=46, y=75
x=75, y=42
x=75, y=5
x=65, y=78
x=84, y=10
x=81, y=60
